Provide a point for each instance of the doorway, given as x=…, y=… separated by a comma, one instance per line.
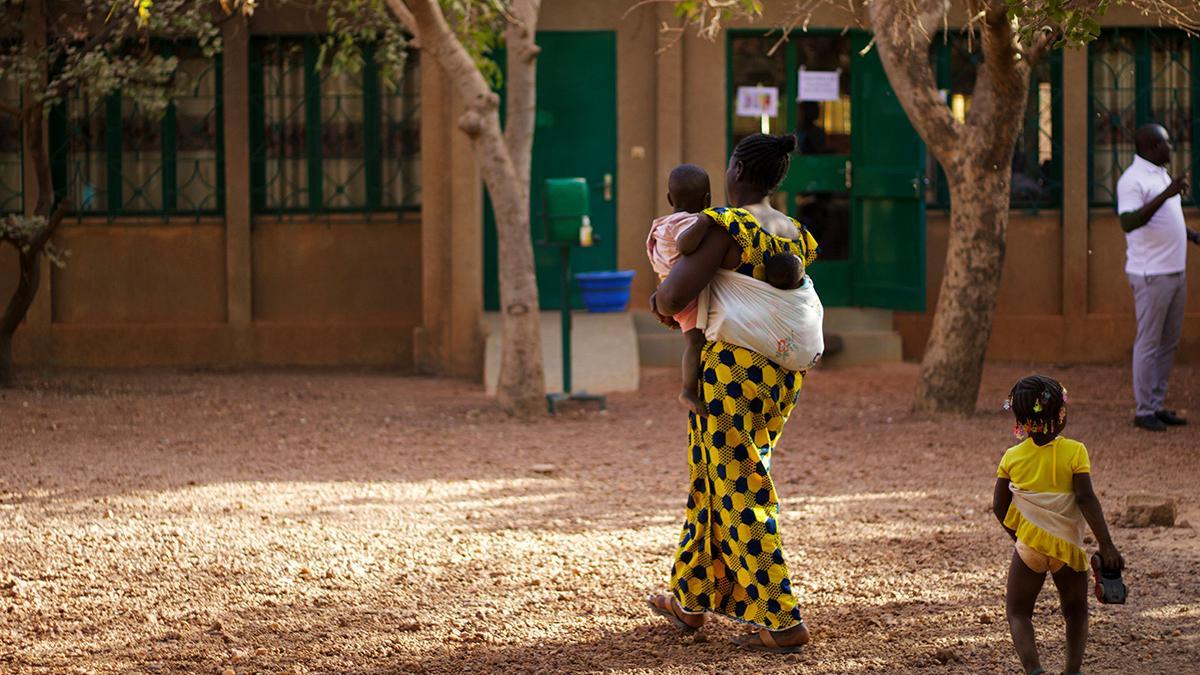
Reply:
x=857, y=179
x=575, y=135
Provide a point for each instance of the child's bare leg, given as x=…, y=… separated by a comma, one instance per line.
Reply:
x=1073, y=594
x=690, y=395
x=1023, y=587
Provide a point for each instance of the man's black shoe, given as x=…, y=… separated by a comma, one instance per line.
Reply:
x=1170, y=419
x=1149, y=423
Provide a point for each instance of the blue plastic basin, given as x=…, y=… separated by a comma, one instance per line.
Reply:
x=605, y=291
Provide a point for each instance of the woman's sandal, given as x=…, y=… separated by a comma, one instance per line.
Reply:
x=766, y=643
x=671, y=613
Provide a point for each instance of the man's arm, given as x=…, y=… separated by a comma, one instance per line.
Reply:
x=1001, y=499
x=1132, y=220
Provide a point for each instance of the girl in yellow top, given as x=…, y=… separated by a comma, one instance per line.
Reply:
x=1043, y=496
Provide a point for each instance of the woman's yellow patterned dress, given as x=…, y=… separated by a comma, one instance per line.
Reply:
x=730, y=558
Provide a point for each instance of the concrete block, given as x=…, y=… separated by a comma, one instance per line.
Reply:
x=604, y=352
x=1148, y=510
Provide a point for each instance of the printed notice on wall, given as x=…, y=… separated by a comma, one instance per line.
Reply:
x=818, y=85
x=758, y=101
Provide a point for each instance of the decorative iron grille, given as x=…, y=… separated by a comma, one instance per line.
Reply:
x=1139, y=76
x=1037, y=158
x=111, y=157
x=326, y=141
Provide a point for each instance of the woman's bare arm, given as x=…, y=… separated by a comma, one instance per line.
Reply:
x=692, y=273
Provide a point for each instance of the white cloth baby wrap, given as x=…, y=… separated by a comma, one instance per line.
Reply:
x=1055, y=512
x=784, y=326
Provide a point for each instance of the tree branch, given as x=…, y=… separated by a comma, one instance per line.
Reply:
x=999, y=50
x=521, y=88
x=440, y=42
x=1043, y=43
x=38, y=242
x=404, y=16
x=904, y=51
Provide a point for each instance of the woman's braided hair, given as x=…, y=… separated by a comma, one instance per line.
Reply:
x=1039, y=404
x=765, y=159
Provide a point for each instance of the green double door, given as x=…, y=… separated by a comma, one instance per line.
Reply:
x=858, y=178
x=575, y=135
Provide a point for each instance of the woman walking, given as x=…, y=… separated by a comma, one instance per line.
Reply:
x=730, y=559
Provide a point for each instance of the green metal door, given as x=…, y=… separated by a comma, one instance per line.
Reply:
x=575, y=135
x=886, y=194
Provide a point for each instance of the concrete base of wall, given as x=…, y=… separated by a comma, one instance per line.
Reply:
x=1094, y=338
x=657, y=344
x=385, y=344
x=867, y=336
x=604, y=352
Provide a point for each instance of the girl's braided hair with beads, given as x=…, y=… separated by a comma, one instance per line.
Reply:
x=765, y=159
x=1039, y=404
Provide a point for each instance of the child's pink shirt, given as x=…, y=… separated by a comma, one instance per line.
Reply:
x=663, y=251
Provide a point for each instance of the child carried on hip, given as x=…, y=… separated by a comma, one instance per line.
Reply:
x=780, y=319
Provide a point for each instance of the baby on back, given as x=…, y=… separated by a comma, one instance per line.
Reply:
x=679, y=234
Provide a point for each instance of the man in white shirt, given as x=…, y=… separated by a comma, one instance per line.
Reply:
x=1155, y=259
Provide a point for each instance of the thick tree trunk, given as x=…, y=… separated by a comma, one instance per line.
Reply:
x=521, y=386
x=6, y=361
x=33, y=126
x=953, y=364
x=18, y=306
x=977, y=158
x=979, y=171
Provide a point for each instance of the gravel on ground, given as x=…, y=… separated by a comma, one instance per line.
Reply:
x=338, y=522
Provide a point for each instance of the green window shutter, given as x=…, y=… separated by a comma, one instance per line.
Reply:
x=112, y=145
x=258, y=150
x=327, y=141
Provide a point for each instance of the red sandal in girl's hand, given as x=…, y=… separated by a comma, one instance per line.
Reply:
x=1110, y=588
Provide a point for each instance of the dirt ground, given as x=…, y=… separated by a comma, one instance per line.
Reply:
x=366, y=522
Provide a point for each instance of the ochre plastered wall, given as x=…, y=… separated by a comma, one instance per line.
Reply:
x=239, y=289
x=140, y=274
x=242, y=289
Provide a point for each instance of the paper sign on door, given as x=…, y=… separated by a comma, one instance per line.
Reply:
x=758, y=101
x=818, y=85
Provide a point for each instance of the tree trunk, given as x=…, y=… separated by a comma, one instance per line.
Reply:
x=521, y=387
x=953, y=364
x=14, y=312
x=979, y=173
x=977, y=159
x=6, y=361
x=33, y=125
